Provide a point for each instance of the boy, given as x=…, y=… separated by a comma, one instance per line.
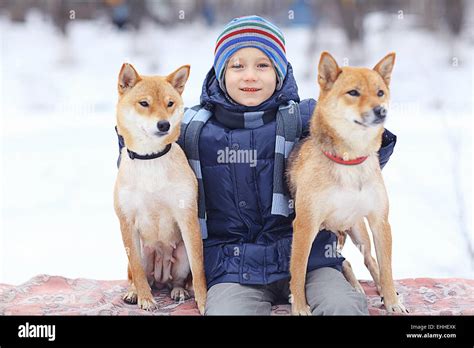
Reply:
x=237, y=141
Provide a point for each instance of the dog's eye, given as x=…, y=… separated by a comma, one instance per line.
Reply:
x=170, y=103
x=354, y=93
x=380, y=93
x=144, y=104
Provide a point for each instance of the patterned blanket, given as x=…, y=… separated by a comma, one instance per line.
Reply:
x=54, y=295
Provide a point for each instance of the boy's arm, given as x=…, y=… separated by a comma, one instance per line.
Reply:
x=388, y=144
x=307, y=107
x=388, y=138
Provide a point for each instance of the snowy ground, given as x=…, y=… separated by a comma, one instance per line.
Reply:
x=58, y=146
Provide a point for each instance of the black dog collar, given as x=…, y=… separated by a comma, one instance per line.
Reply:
x=134, y=155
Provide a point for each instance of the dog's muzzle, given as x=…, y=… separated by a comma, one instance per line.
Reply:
x=380, y=113
x=373, y=117
x=163, y=127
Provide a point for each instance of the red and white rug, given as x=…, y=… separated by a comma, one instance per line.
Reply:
x=54, y=295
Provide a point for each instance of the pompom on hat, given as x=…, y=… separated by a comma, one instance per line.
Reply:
x=251, y=31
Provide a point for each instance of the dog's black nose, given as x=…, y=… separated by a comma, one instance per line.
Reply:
x=380, y=112
x=163, y=126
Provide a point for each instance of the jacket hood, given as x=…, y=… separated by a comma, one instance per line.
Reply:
x=213, y=95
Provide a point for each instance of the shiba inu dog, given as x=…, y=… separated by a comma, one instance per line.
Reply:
x=335, y=176
x=155, y=195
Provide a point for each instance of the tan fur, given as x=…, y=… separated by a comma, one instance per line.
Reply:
x=156, y=200
x=335, y=196
x=360, y=237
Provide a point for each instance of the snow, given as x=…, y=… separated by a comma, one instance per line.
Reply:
x=58, y=146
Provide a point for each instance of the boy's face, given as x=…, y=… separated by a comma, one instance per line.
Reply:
x=250, y=78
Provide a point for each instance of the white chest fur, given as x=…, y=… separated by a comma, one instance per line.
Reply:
x=353, y=197
x=150, y=190
x=348, y=207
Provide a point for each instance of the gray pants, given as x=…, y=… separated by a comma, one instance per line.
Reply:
x=327, y=293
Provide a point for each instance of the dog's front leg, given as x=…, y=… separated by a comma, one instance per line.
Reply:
x=131, y=241
x=191, y=233
x=305, y=229
x=383, y=248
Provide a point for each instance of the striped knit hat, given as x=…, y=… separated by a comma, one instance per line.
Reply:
x=251, y=31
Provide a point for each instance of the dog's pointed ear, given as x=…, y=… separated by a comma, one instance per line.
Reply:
x=128, y=77
x=178, y=78
x=328, y=71
x=385, y=67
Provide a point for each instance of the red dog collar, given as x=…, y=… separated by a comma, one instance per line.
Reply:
x=340, y=160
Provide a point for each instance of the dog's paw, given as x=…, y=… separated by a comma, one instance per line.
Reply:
x=201, y=306
x=147, y=303
x=179, y=294
x=200, y=298
x=130, y=297
x=395, y=308
x=299, y=308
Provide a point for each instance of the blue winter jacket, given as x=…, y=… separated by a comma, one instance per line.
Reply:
x=246, y=244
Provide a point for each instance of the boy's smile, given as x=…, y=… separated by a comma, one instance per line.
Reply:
x=250, y=89
x=250, y=77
